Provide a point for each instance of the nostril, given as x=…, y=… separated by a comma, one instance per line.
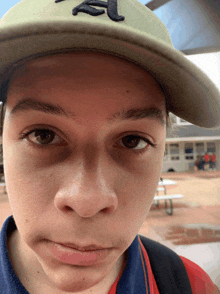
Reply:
x=105, y=210
x=67, y=208
x=108, y=209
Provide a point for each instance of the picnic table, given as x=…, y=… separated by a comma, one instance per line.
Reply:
x=166, y=182
x=162, y=185
x=2, y=184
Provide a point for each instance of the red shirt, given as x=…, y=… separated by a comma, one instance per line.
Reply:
x=213, y=158
x=200, y=282
x=206, y=157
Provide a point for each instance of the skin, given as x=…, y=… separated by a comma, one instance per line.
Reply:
x=85, y=186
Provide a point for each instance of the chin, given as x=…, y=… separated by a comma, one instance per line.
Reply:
x=73, y=287
x=74, y=279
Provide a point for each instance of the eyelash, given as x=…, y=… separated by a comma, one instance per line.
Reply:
x=139, y=151
x=136, y=136
x=26, y=134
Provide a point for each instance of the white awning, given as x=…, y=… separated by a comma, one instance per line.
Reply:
x=192, y=139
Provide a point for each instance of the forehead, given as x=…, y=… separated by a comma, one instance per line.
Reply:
x=90, y=78
x=86, y=65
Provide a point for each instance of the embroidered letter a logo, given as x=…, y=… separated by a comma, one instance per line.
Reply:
x=111, y=5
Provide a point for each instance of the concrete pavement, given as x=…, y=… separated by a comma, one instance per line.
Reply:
x=193, y=231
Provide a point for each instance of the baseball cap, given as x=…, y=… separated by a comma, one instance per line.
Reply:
x=124, y=28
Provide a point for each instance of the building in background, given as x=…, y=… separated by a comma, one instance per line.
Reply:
x=186, y=142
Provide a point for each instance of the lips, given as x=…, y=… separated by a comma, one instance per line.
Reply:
x=82, y=248
x=74, y=254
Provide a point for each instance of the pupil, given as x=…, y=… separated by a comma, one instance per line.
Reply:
x=130, y=141
x=44, y=136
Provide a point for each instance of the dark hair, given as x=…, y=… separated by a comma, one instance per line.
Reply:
x=3, y=97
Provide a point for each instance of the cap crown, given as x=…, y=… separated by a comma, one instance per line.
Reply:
x=131, y=14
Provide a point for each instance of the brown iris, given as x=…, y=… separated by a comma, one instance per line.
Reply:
x=44, y=136
x=131, y=141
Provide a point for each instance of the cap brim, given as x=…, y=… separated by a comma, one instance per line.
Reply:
x=190, y=94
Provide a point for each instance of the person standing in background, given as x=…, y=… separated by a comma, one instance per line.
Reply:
x=206, y=158
x=212, y=162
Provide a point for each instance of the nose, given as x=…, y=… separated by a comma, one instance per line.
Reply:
x=88, y=194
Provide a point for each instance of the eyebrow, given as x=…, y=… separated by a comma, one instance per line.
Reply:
x=27, y=104
x=32, y=104
x=140, y=113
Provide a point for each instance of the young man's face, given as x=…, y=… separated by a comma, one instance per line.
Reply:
x=83, y=141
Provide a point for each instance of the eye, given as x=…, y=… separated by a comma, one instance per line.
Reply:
x=43, y=137
x=135, y=142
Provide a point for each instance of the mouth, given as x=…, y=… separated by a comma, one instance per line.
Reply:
x=92, y=247
x=74, y=254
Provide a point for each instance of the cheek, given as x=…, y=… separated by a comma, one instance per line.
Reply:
x=137, y=189
x=29, y=190
x=31, y=197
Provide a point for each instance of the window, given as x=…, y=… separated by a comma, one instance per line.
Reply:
x=181, y=121
x=173, y=118
x=211, y=147
x=165, y=153
x=174, y=151
x=1, y=154
x=200, y=148
x=189, y=151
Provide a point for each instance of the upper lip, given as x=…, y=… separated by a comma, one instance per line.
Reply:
x=91, y=247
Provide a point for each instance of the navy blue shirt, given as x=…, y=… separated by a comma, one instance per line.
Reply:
x=9, y=282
